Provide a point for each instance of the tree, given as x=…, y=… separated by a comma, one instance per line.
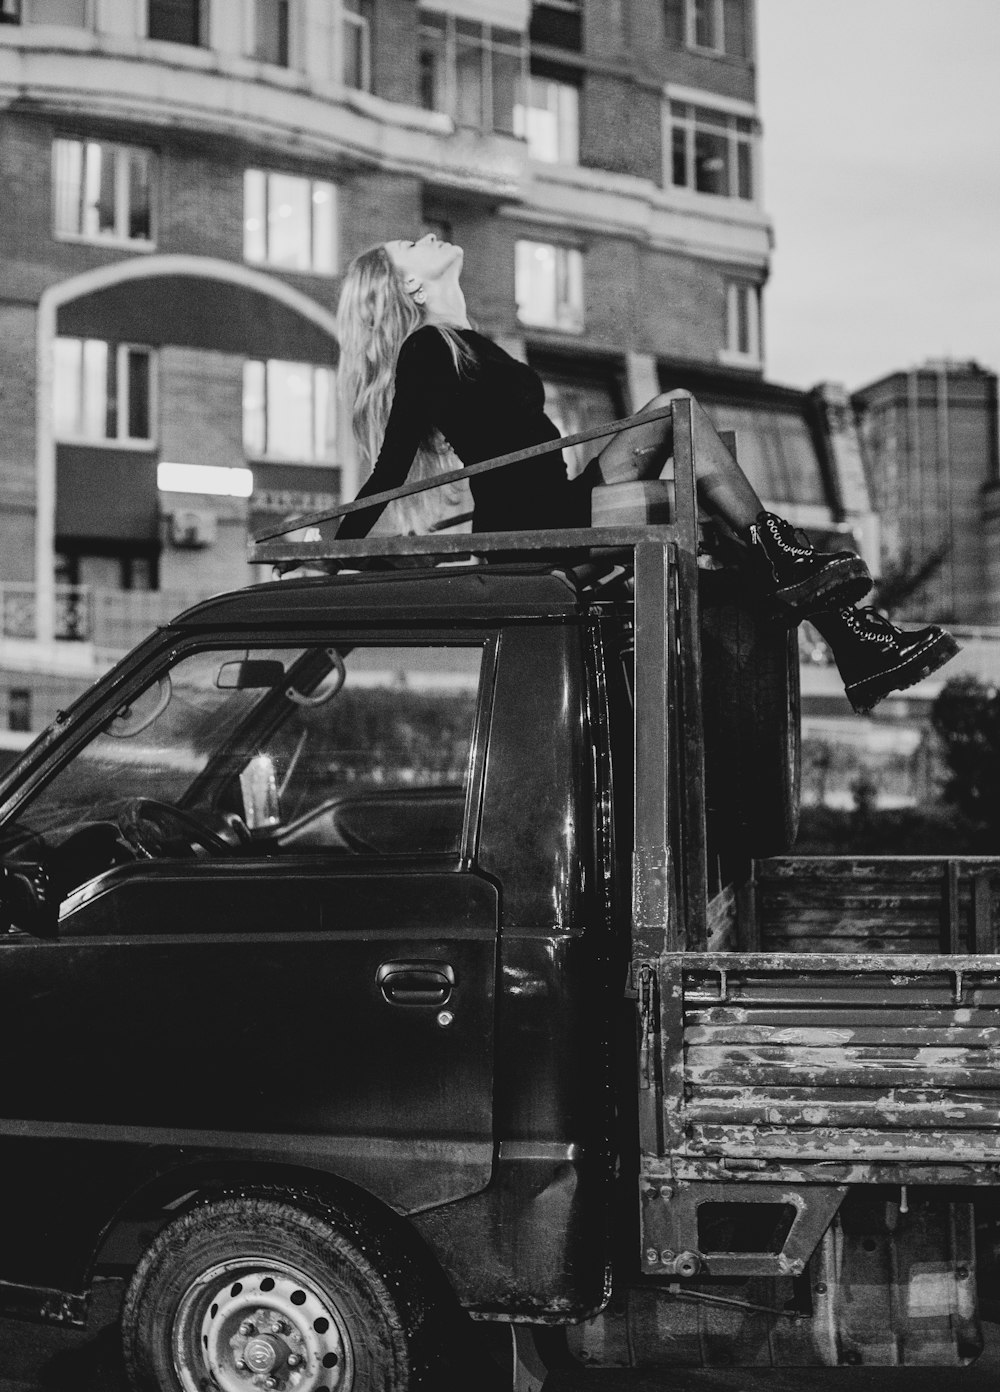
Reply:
x=966, y=718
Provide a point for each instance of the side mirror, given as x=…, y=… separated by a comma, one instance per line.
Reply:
x=28, y=899
x=253, y=674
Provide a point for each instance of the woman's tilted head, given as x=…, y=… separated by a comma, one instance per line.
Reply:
x=425, y=262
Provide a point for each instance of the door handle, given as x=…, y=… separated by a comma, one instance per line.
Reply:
x=416, y=983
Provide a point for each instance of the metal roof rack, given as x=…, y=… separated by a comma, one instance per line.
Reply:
x=276, y=546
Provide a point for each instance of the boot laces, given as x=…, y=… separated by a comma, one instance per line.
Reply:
x=792, y=540
x=869, y=624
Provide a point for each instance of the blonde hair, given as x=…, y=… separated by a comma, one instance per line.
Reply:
x=375, y=317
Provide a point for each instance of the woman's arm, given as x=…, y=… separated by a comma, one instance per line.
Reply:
x=422, y=360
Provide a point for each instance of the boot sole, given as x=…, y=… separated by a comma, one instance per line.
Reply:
x=837, y=586
x=865, y=695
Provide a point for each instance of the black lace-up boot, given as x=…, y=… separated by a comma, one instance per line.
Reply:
x=874, y=657
x=799, y=580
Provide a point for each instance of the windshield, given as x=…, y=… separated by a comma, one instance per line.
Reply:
x=156, y=744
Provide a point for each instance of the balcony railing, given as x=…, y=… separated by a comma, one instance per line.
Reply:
x=113, y=621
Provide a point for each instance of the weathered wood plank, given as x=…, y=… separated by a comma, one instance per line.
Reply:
x=872, y=1074
x=856, y=1144
x=819, y=1014
x=798, y=1093
x=839, y=1032
x=878, y=1115
x=911, y=868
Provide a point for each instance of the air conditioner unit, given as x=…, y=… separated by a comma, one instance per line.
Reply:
x=191, y=529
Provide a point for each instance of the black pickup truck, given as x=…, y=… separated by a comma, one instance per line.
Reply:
x=412, y=950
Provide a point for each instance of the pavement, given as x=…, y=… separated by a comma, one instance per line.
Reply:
x=35, y=1358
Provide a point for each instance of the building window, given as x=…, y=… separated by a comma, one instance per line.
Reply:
x=357, y=44
x=558, y=23
x=175, y=21
x=721, y=27
x=742, y=322
x=473, y=72
x=19, y=708
x=712, y=151
x=75, y=14
x=102, y=192
x=103, y=391
x=290, y=222
x=289, y=411
x=549, y=120
x=549, y=286
x=270, y=32
x=574, y=404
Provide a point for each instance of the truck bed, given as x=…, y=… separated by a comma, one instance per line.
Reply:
x=831, y=1067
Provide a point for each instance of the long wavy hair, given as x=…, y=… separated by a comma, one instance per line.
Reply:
x=375, y=316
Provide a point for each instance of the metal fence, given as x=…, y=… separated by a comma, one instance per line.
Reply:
x=112, y=620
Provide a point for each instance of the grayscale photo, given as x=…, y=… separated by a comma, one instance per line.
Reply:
x=499, y=696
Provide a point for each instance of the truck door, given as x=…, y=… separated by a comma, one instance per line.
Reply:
x=272, y=939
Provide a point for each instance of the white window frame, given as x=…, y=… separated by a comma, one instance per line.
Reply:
x=488, y=46
x=569, y=317
x=313, y=186
x=121, y=154
x=731, y=111
x=119, y=440
x=361, y=25
x=266, y=454
x=567, y=119
x=743, y=295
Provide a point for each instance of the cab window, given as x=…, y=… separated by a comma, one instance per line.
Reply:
x=333, y=749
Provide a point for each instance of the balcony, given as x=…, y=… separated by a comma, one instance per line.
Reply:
x=93, y=627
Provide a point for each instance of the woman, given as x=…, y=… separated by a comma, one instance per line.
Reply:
x=418, y=379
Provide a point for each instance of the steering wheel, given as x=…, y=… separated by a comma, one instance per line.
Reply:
x=146, y=825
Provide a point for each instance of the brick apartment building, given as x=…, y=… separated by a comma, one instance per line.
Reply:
x=930, y=437
x=183, y=183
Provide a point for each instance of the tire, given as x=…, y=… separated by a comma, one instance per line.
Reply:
x=295, y=1290
x=751, y=710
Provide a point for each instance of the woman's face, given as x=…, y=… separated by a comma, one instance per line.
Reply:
x=428, y=259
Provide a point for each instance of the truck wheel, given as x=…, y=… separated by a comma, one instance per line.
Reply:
x=255, y=1291
x=751, y=711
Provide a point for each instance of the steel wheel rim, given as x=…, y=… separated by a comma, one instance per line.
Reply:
x=282, y=1326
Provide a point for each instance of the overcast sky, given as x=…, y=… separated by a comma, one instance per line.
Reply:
x=881, y=155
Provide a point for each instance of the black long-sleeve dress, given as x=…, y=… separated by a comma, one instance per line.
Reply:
x=494, y=406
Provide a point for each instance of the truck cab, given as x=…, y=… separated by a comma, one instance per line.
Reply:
x=416, y=944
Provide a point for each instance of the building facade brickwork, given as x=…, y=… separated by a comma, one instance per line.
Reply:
x=177, y=215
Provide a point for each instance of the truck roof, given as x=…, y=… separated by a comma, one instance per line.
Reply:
x=508, y=591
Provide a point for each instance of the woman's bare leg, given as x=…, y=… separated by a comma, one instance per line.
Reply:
x=641, y=452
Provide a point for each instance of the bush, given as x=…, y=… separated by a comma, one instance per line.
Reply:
x=868, y=830
x=966, y=718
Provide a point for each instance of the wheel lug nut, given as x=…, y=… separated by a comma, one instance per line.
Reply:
x=282, y=1327
x=293, y=1360
x=241, y=1367
x=247, y=1328
x=271, y=1382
